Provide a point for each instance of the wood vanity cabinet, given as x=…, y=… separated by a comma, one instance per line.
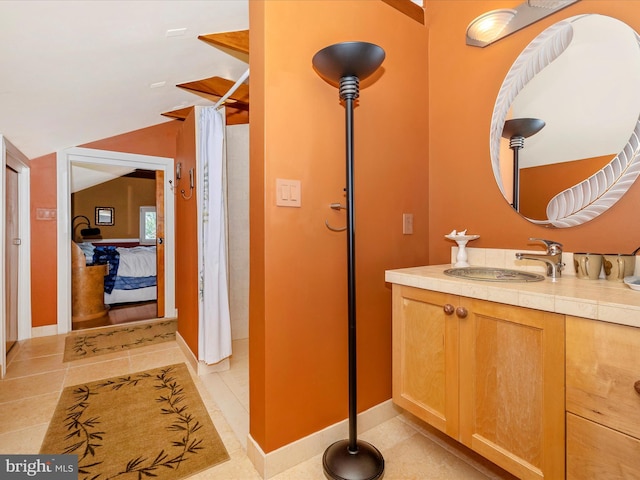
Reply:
x=603, y=401
x=489, y=375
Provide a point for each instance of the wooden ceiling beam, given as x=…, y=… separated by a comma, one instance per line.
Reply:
x=234, y=115
x=408, y=8
x=180, y=114
x=213, y=88
x=237, y=41
x=218, y=87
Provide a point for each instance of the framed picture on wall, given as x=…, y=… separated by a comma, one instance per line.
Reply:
x=105, y=216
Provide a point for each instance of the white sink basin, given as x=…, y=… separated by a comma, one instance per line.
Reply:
x=490, y=274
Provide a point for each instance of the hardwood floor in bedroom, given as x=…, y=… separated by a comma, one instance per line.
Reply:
x=132, y=313
x=122, y=314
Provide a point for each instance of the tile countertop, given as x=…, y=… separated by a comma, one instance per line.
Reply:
x=598, y=299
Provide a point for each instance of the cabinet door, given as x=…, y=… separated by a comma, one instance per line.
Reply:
x=425, y=356
x=603, y=365
x=595, y=452
x=512, y=387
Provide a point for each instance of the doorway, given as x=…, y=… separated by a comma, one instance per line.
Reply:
x=112, y=161
x=115, y=222
x=11, y=254
x=15, y=246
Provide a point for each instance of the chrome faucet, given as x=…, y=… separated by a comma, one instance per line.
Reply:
x=552, y=257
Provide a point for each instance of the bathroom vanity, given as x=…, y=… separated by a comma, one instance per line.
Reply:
x=603, y=400
x=536, y=377
x=541, y=378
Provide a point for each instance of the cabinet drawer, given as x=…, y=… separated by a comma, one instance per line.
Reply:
x=603, y=364
x=595, y=452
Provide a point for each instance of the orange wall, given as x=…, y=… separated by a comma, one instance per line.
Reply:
x=44, y=241
x=158, y=140
x=187, y=239
x=298, y=299
x=538, y=185
x=257, y=227
x=463, y=85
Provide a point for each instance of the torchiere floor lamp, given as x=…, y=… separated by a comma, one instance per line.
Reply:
x=348, y=63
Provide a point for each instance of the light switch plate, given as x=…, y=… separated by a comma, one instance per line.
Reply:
x=407, y=223
x=46, y=213
x=288, y=193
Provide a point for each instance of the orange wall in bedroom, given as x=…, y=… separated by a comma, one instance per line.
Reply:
x=463, y=85
x=158, y=140
x=298, y=290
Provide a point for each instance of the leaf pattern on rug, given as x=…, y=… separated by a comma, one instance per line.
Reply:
x=85, y=436
x=84, y=345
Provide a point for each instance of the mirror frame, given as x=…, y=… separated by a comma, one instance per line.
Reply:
x=105, y=216
x=593, y=196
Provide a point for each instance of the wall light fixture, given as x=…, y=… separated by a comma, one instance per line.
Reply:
x=84, y=232
x=496, y=24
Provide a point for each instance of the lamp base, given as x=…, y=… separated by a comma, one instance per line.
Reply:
x=341, y=464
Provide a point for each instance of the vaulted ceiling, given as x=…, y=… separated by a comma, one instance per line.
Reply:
x=78, y=71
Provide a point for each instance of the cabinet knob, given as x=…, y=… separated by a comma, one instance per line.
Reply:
x=448, y=309
x=461, y=312
x=637, y=387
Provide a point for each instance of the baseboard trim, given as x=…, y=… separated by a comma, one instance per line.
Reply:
x=46, y=331
x=200, y=368
x=273, y=463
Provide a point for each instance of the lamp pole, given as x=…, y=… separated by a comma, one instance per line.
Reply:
x=347, y=63
x=516, y=130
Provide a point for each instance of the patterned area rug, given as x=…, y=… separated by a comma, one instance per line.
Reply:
x=118, y=338
x=149, y=424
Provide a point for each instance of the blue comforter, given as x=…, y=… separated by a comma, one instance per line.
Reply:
x=132, y=283
x=107, y=256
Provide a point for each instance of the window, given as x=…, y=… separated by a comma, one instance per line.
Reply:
x=147, y=225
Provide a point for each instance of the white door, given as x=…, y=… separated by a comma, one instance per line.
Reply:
x=15, y=248
x=11, y=253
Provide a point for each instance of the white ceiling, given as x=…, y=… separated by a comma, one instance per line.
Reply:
x=78, y=71
x=588, y=97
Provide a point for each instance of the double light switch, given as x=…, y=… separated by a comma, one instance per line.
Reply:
x=287, y=193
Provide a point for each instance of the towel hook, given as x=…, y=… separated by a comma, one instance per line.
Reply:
x=335, y=206
x=191, y=185
x=334, y=229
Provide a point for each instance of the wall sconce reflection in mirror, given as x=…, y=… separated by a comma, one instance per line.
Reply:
x=105, y=216
x=497, y=24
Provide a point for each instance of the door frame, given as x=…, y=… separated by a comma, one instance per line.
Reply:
x=15, y=159
x=103, y=157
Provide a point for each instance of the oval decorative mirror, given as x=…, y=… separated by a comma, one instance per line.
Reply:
x=565, y=131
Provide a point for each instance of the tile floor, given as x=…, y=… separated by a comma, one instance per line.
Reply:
x=36, y=375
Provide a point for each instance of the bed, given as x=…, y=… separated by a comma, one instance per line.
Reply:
x=132, y=271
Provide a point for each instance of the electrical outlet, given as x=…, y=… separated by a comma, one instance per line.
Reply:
x=407, y=223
